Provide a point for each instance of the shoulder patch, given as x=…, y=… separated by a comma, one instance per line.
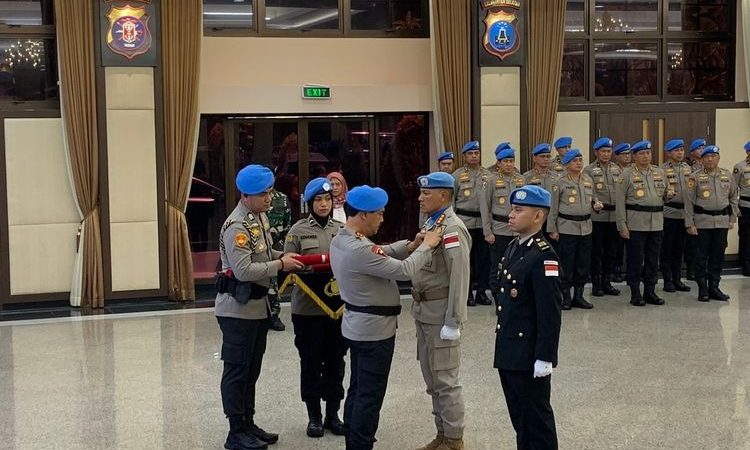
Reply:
x=450, y=240
x=240, y=239
x=378, y=251
x=551, y=268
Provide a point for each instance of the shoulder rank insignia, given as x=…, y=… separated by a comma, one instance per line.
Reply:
x=359, y=235
x=378, y=251
x=240, y=239
x=542, y=244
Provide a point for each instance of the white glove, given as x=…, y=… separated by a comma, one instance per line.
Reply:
x=542, y=369
x=449, y=333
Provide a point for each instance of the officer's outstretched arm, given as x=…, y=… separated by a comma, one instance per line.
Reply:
x=397, y=249
x=374, y=261
x=548, y=300
x=240, y=253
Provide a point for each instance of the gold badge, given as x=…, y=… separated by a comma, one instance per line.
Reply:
x=255, y=232
x=240, y=239
x=691, y=183
x=639, y=193
x=514, y=293
x=261, y=247
x=501, y=200
x=599, y=186
x=573, y=192
x=747, y=182
x=571, y=199
x=467, y=193
x=499, y=183
x=706, y=194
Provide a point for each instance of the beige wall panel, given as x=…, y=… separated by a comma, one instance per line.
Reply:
x=41, y=257
x=501, y=86
x=39, y=190
x=135, y=255
x=241, y=75
x=130, y=87
x=576, y=125
x=131, y=166
x=732, y=131
x=499, y=124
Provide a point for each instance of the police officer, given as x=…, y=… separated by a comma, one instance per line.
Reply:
x=623, y=159
x=317, y=336
x=445, y=162
x=248, y=262
x=365, y=273
x=640, y=220
x=540, y=174
x=472, y=205
x=439, y=310
x=528, y=321
x=500, y=186
x=604, y=237
x=711, y=210
x=495, y=168
x=562, y=145
x=673, y=242
x=573, y=201
x=280, y=218
x=691, y=242
x=696, y=150
x=742, y=180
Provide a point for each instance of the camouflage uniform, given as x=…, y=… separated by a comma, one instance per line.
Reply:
x=280, y=219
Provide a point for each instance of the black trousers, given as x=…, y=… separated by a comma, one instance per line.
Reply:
x=575, y=259
x=691, y=249
x=370, y=365
x=321, y=349
x=643, y=250
x=497, y=250
x=709, y=257
x=604, y=240
x=243, y=345
x=672, y=247
x=744, y=235
x=529, y=408
x=620, y=254
x=480, y=260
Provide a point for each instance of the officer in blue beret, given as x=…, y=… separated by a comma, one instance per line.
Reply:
x=741, y=174
x=472, y=205
x=673, y=243
x=605, y=174
x=696, y=148
x=691, y=242
x=623, y=159
x=562, y=145
x=439, y=291
x=248, y=262
x=366, y=274
x=528, y=321
x=445, y=162
x=494, y=168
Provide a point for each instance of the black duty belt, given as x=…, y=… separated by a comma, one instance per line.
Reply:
x=581, y=218
x=641, y=208
x=375, y=310
x=712, y=212
x=608, y=207
x=242, y=291
x=500, y=218
x=745, y=198
x=467, y=213
x=675, y=205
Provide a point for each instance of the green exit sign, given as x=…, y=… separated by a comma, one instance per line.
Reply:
x=316, y=92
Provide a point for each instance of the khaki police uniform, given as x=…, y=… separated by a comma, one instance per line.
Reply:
x=711, y=206
x=439, y=290
x=500, y=186
x=557, y=166
x=673, y=241
x=741, y=175
x=604, y=236
x=538, y=178
x=639, y=203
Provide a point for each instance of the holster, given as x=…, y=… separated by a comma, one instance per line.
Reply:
x=242, y=291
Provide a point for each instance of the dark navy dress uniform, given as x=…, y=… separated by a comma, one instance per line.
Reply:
x=528, y=330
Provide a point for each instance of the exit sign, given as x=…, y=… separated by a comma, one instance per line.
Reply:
x=316, y=92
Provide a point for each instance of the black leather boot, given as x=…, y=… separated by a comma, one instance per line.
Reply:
x=238, y=437
x=702, y=290
x=567, y=301
x=649, y=295
x=596, y=286
x=315, y=425
x=635, y=295
x=608, y=288
x=332, y=421
x=578, y=300
x=617, y=275
x=715, y=293
x=482, y=298
x=669, y=285
x=254, y=430
x=471, y=301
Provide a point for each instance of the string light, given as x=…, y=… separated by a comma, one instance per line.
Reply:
x=25, y=52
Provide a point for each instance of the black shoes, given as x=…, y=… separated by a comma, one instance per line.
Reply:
x=277, y=324
x=315, y=425
x=680, y=286
x=260, y=433
x=635, y=296
x=649, y=295
x=715, y=293
x=669, y=286
x=578, y=300
x=567, y=302
x=596, y=286
x=471, y=301
x=243, y=441
x=482, y=298
x=608, y=288
x=335, y=425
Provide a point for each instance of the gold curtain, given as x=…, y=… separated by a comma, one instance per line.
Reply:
x=546, y=36
x=182, y=29
x=76, y=40
x=452, y=33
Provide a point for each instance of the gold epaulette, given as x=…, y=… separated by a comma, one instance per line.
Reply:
x=541, y=243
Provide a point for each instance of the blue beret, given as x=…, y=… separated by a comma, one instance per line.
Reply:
x=697, y=143
x=501, y=146
x=565, y=141
x=747, y=146
x=622, y=147
x=471, y=145
x=674, y=144
x=541, y=148
x=254, y=179
x=640, y=145
x=505, y=153
x=602, y=142
x=316, y=186
x=530, y=195
x=367, y=199
x=570, y=155
x=445, y=155
x=436, y=180
x=709, y=150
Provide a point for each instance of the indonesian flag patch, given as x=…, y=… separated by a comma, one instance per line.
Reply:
x=450, y=240
x=378, y=251
x=551, y=268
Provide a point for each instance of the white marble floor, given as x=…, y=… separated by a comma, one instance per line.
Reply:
x=669, y=377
